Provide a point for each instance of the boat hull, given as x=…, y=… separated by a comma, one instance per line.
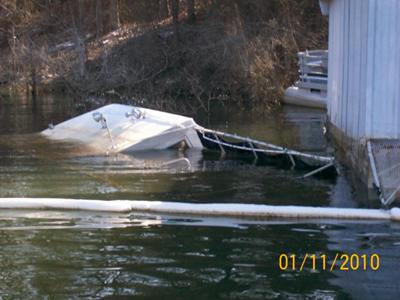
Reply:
x=118, y=130
x=302, y=97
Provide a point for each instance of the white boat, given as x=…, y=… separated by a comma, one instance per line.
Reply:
x=295, y=95
x=118, y=128
x=311, y=88
x=124, y=128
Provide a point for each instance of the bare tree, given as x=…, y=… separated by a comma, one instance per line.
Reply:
x=163, y=9
x=99, y=18
x=32, y=65
x=12, y=42
x=114, y=15
x=79, y=37
x=175, y=17
x=191, y=10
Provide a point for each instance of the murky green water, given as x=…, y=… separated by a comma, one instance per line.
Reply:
x=60, y=255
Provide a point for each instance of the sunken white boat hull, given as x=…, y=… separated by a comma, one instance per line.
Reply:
x=122, y=128
x=123, y=131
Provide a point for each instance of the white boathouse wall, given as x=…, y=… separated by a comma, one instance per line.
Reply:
x=364, y=67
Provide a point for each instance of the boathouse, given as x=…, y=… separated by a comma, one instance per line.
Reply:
x=364, y=87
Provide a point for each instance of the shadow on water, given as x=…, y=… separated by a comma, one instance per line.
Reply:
x=95, y=255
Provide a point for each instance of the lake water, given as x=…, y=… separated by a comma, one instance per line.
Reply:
x=64, y=254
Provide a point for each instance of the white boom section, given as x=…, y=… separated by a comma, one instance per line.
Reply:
x=215, y=209
x=124, y=128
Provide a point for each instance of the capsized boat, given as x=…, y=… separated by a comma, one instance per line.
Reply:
x=118, y=128
x=124, y=128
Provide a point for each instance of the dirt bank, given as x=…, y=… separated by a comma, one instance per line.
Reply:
x=181, y=58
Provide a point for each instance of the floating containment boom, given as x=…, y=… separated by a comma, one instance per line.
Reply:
x=213, y=209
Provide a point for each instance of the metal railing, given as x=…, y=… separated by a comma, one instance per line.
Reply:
x=313, y=69
x=217, y=137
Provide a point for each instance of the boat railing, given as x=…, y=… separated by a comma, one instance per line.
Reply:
x=313, y=70
x=255, y=146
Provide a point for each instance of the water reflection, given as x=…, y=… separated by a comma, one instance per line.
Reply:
x=22, y=115
x=153, y=260
x=368, y=239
